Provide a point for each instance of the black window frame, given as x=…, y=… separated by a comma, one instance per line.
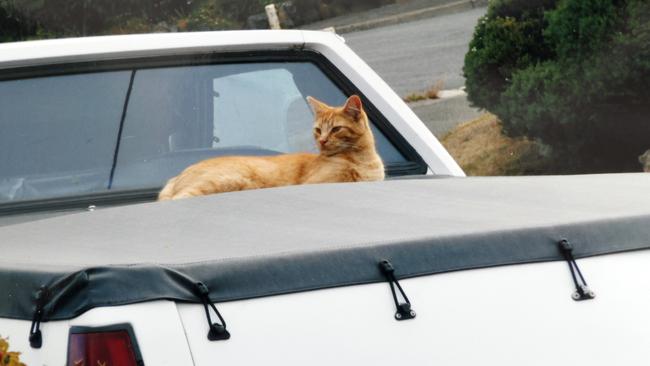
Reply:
x=414, y=166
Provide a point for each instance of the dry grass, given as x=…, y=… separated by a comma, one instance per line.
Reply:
x=431, y=93
x=414, y=97
x=481, y=149
x=434, y=91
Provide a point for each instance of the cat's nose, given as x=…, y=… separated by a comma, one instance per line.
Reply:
x=322, y=142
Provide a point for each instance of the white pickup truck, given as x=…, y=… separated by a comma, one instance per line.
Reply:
x=427, y=267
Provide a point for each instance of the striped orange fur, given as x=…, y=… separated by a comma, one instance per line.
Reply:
x=347, y=154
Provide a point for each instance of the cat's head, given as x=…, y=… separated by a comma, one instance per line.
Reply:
x=341, y=129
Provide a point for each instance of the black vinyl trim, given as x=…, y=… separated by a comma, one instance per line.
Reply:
x=105, y=329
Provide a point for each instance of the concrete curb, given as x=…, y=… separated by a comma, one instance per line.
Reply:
x=433, y=11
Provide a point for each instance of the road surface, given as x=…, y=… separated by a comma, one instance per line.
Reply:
x=412, y=56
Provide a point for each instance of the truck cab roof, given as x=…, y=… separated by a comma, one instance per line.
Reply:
x=48, y=52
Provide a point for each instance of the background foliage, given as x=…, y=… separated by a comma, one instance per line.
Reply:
x=573, y=74
x=29, y=19
x=35, y=19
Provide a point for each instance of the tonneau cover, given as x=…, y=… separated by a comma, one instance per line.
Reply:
x=266, y=242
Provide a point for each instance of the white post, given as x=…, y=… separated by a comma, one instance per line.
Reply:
x=272, y=14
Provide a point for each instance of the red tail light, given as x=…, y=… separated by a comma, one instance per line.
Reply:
x=106, y=346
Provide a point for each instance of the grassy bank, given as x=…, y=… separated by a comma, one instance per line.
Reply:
x=481, y=149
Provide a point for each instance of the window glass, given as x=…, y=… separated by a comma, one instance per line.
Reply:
x=180, y=115
x=58, y=134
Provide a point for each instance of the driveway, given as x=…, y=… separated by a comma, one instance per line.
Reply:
x=413, y=56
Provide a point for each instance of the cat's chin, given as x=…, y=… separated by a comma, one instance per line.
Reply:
x=333, y=151
x=337, y=150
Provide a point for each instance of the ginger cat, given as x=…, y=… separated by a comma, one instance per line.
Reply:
x=347, y=154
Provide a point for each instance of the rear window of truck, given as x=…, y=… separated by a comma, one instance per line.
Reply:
x=109, y=131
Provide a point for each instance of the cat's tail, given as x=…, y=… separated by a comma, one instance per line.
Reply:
x=167, y=192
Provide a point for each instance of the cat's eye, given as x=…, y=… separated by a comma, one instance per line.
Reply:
x=336, y=129
x=317, y=130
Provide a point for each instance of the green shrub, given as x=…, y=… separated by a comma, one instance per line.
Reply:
x=573, y=74
x=59, y=18
x=508, y=38
x=13, y=25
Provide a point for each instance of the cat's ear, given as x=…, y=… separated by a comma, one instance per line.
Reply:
x=317, y=105
x=353, y=107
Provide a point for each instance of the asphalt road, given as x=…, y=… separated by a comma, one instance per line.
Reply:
x=413, y=56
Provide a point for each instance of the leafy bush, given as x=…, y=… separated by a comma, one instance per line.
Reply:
x=84, y=17
x=10, y=23
x=573, y=74
x=25, y=19
x=33, y=19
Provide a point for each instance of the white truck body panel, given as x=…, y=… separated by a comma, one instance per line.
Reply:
x=156, y=324
x=510, y=315
x=58, y=51
x=514, y=315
